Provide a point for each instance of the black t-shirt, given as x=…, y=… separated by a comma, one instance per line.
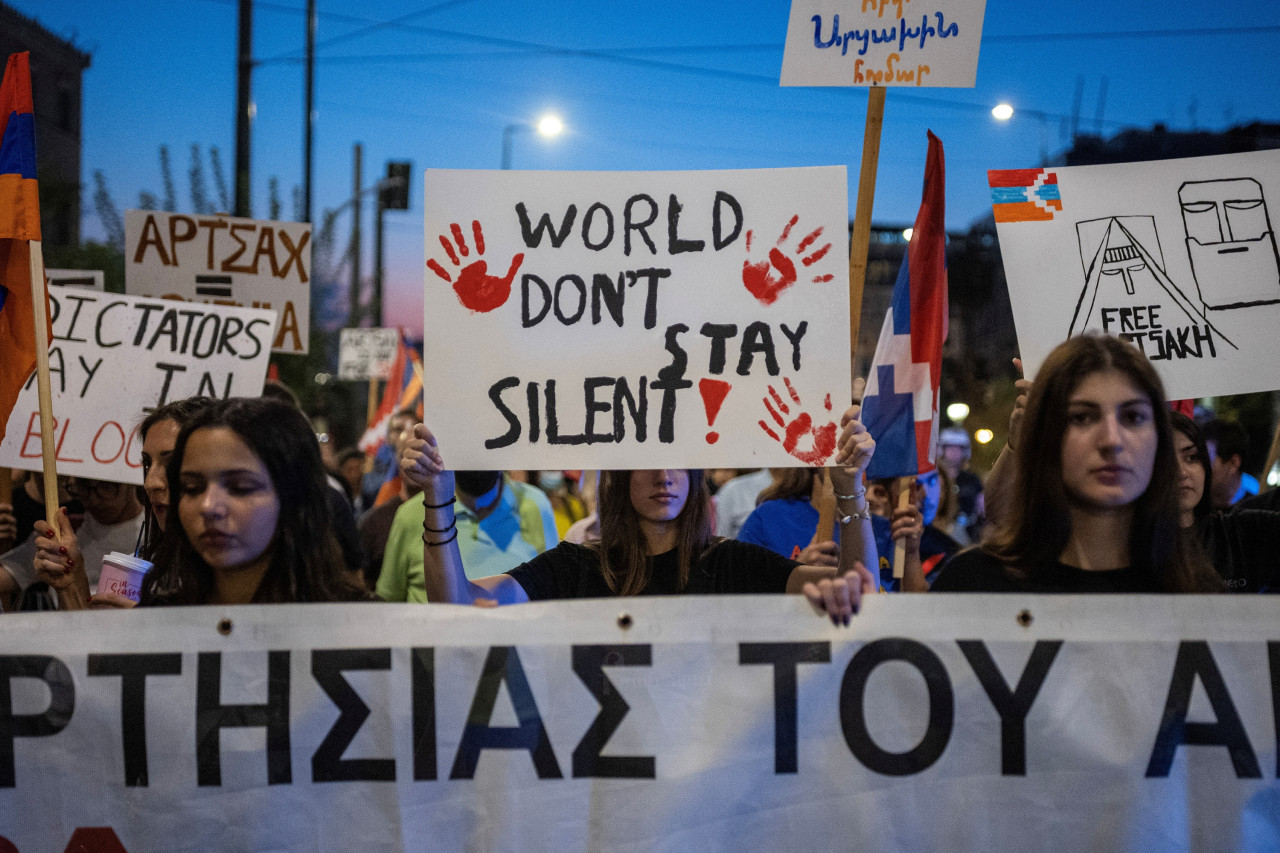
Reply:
x=729, y=566
x=1244, y=546
x=975, y=570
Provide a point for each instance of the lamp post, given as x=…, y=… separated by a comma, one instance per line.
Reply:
x=548, y=126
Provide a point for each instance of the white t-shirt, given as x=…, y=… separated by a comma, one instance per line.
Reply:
x=96, y=540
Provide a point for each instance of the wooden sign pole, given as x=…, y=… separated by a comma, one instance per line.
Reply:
x=41, y=319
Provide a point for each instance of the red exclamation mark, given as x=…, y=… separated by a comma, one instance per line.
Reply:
x=713, y=393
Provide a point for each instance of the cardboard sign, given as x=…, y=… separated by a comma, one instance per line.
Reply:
x=636, y=319
x=1177, y=256
x=114, y=358
x=92, y=279
x=222, y=260
x=883, y=43
x=366, y=353
x=740, y=723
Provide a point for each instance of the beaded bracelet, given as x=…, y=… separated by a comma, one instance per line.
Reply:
x=453, y=500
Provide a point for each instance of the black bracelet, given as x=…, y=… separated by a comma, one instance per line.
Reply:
x=453, y=500
x=452, y=525
x=438, y=544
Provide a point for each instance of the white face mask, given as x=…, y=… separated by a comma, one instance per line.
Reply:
x=549, y=481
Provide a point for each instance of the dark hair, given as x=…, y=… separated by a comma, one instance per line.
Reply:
x=1039, y=526
x=178, y=411
x=346, y=455
x=788, y=483
x=1187, y=427
x=1229, y=439
x=622, y=547
x=306, y=563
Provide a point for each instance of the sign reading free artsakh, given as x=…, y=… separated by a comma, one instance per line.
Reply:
x=224, y=261
x=636, y=319
x=883, y=43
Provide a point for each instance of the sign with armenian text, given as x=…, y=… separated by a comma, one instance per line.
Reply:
x=883, y=43
x=747, y=723
x=636, y=319
x=222, y=260
x=114, y=358
x=1177, y=256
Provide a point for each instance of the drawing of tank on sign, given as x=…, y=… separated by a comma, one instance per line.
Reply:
x=1230, y=243
x=1128, y=293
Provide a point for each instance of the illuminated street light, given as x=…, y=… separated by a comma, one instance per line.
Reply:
x=984, y=436
x=958, y=412
x=1002, y=112
x=547, y=126
x=906, y=234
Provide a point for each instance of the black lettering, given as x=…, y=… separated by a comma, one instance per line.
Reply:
x=652, y=276
x=1204, y=336
x=533, y=236
x=784, y=658
x=97, y=328
x=671, y=379
x=422, y=663
x=629, y=225
x=941, y=707
x=502, y=666
x=719, y=333
x=1012, y=706
x=676, y=245
x=581, y=286
x=589, y=386
x=89, y=374
x=553, y=419
x=795, y=337
x=756, y=338
x=589, y=663
x=142, y=324
x=231, y=329
x=79, y=299
x=588, y=218
x=212, y=717
x=527, y=320
x=327, y=764
x=169, y=370
x=639, y=410
x=133, y=670
x=512, y=435
x=602, y=290
x=252, y=332
x=717, y=241
x=211, y=338
x=1196, y=661
x=53, y=719
x=531, y=397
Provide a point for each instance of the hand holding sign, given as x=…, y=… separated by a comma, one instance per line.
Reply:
x=760, y=278
x=818, y=441
x=422, y=465
x=476, y=289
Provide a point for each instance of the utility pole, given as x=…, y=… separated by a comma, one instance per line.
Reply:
x=310, y=98
x=393, y=194
x=244, y=106
x=354, y=317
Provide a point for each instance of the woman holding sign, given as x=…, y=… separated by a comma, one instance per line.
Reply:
x=1095, y=501
x=655, y=539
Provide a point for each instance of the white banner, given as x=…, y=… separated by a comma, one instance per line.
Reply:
x=1177, y=256
x=947, y=722
x=114, y=358
x=224, y=260
x=636, y=319
x=92, y=279
x=883, y=43
x=367, y=353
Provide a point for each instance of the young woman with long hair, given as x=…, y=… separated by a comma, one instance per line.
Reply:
x=1094, y=504
x=655, y=538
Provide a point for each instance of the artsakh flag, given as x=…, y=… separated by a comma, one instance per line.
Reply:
x=403, y=391
x=900, y=405
x=19, y=223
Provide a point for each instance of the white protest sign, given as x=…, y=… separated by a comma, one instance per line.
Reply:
x=883, y=43
x=114, y=357
x=746, y=723
x=223, y=260
x=92, y=279
x=367, y=353
x=1177, y=256
x=636, y=319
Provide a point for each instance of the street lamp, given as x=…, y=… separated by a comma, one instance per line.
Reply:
x=548, y=126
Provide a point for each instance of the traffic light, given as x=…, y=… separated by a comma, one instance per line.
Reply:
x=395, y=192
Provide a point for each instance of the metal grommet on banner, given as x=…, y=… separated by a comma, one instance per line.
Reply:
x=224, y=626
x=1025, y=619
x=624, y=621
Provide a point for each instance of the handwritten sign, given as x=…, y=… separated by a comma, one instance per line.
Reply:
x=114, y=358
x=883, y=43
x=366, y=353
x=636, y=319
x=92, y=279
x=1177, y=256
x=222, y=260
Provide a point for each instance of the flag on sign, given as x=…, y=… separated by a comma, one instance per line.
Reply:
x=403, y=391
x=1024, y=195
x=900, y=406
x=19, y=223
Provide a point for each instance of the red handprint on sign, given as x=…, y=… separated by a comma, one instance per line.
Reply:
x=476, y=289
x=766, y=279
x=823, y=443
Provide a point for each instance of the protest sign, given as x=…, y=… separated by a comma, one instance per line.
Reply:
x=1177, y=256
x=948, y=722
x=114, y=357
x=636, y=319
x=92, y=279
x=223, y=260
x=883, y=43
x=366, y=353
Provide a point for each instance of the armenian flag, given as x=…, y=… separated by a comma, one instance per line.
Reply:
x=1024, y=195
x=900, y=405
x=403, y=391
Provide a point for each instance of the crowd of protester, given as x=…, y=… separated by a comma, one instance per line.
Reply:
x=1100, y=488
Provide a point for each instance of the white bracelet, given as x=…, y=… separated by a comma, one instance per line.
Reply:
x=865, y=515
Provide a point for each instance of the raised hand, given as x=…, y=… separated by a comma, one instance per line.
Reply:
x=811, y=443
x=422, y=465
x=59, y=563
x=766, y=279
x=476, y=289
x=1019, y=406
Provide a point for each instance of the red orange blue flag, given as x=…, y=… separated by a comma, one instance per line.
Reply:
x=403, y=391
x=900, y=404
x=1024, y=195
x=19, y=224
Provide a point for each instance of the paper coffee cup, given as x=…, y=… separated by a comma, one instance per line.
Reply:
x=123, y=574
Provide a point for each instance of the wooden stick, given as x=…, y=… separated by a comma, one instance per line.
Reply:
x=6, y=486
x=861, y=239
x=899, y=547
x=43, y=388
x=373, y=400
x=823, y=497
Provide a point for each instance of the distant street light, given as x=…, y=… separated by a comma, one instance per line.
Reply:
x=958, y=412
x=1003, y=112
x=548, y=126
